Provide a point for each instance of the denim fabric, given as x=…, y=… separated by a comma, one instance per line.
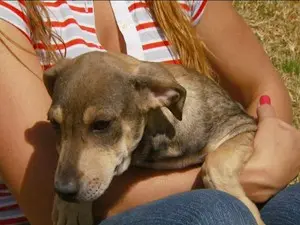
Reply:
x=205, y=207
x=211, y=207
x=284, y=208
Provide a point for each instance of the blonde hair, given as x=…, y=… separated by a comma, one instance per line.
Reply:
x=174, y=23
x=181, y=34
x=40, y=30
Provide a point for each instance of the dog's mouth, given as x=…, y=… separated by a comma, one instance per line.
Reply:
x=68, y=198
x=92, y=189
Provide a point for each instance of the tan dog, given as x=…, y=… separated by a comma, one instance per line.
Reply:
x=112, y=111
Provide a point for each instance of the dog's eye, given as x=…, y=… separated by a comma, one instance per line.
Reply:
x=100, y=125
x=55, y=125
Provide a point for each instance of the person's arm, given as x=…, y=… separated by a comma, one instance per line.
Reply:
x=247, y=73
x=240, y=60
x=27, y=142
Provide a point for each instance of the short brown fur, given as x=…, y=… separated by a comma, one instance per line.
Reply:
x=145, y=114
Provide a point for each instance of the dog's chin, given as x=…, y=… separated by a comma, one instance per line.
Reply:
x=123, y=166
x=81, y=199
x=92, y=190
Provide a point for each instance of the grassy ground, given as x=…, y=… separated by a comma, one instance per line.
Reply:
x=277, y=25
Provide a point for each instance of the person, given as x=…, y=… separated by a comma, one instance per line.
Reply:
x=208, y=36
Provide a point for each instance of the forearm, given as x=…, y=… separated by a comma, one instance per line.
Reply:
x=140, y=186
x=280, y=100
x=244, y=68
x=28, y=171
x=27, y=153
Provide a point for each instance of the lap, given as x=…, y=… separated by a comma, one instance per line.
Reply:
x=206, y=207
x=201, y=207
x=283, y=208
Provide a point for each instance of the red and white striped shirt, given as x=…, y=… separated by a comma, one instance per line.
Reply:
x=74, y=21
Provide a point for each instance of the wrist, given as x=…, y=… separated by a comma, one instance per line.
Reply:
x=258, y=185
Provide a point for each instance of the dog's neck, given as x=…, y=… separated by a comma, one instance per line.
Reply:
x=160, y=122
x=159, y=131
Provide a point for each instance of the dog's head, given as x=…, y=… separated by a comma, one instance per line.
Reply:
x=99, y=110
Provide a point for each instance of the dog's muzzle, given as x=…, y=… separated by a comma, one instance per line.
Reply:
x=67, y=190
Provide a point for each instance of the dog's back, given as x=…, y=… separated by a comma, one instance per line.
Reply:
x=210, y=117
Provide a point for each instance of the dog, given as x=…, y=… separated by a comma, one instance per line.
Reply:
x=111, y=111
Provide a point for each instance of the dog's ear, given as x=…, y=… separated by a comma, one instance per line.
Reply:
x=158, y=88
x=50, y=75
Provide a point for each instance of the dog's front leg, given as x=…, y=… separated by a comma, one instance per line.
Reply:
x=222, y=168
x=67, y=213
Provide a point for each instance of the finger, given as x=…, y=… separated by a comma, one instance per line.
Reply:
x=265, y=110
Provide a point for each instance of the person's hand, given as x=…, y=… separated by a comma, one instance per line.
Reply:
x=276, y=159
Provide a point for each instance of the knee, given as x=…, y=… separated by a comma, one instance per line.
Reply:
x=196, y=207
x=283, y=208
x=217, y=207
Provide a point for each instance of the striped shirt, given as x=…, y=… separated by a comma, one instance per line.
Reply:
x=75, y=23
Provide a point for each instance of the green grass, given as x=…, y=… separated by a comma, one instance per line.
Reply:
x=291, y=66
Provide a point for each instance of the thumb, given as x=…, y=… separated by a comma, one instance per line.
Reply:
x=265, y=110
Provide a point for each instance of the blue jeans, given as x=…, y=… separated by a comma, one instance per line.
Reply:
x=211, y=207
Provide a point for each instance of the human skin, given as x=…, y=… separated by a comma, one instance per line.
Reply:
x=28, y=156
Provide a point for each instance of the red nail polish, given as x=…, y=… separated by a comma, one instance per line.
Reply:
x=265, y=99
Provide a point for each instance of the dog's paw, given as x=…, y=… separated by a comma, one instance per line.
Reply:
x=66, y=213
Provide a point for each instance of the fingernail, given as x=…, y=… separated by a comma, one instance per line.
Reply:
x=265, y=99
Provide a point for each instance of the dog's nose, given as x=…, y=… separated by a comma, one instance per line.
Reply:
x=67, y=190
